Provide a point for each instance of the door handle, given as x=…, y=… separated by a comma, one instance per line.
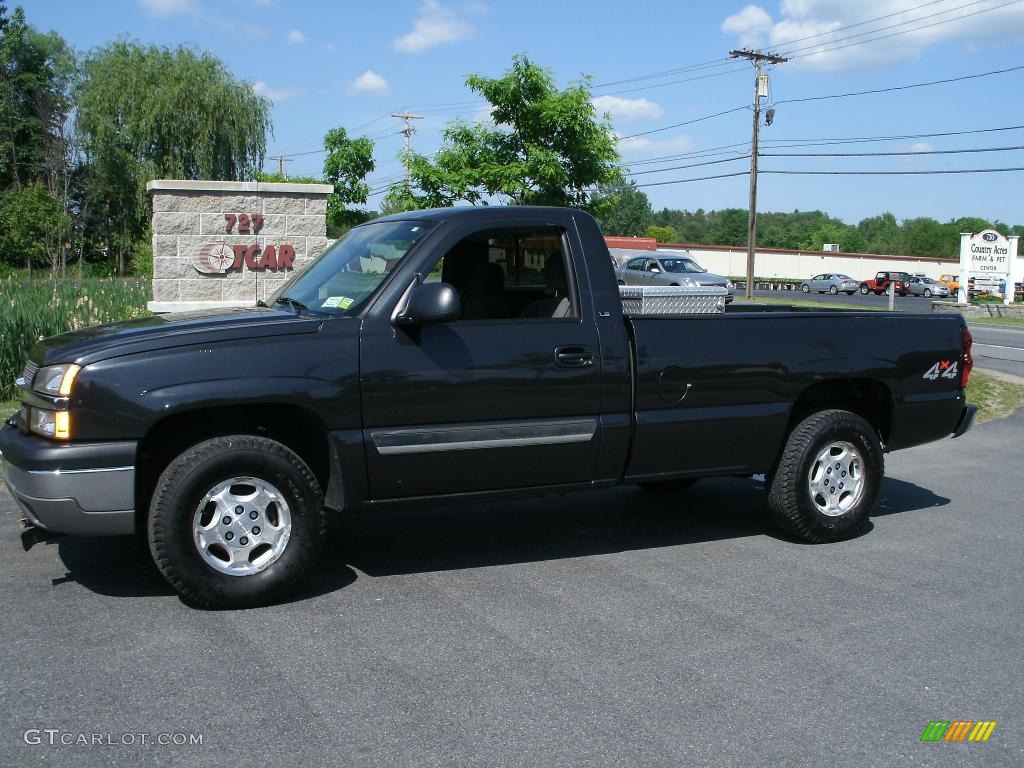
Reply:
x=574, y=357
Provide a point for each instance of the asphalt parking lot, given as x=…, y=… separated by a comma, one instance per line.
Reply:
x=612, y=628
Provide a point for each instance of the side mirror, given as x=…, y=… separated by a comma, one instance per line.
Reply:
x=429, y=304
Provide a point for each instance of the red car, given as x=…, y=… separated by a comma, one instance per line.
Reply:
x=879, y=284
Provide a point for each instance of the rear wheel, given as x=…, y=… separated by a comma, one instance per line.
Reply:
x=833, y=290
x=236, y=521
x=828, y=478
x=864, y=289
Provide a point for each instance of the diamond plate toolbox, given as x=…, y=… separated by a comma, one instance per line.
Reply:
x=672, y=300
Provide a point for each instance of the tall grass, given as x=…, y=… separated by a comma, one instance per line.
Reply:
x=31, y=310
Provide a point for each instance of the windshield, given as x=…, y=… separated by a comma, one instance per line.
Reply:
x=343, y=279
x=681, y=265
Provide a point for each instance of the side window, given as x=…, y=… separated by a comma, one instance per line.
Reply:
x=636, y=264
x=504, y=274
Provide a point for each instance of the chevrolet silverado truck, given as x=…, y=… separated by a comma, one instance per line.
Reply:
x=464, y=354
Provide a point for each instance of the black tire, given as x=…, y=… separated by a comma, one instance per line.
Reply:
x=927, y=293
x=669, y=486
x=864, y=290
x=833, y=290
x=179, y=493
x=805, y=288
x=622, y=282
x=790, y=498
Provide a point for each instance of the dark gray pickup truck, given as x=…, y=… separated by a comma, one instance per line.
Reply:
x=459, y=354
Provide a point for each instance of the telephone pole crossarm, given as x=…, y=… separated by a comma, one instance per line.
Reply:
x=758, y=59
x=407, y=132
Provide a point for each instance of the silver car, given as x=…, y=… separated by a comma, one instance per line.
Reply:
x=830, y=282
x=660, y=269
x=925, y=286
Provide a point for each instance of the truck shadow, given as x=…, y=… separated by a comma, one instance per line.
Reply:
x=479, y=535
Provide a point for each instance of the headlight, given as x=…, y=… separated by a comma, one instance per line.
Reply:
x=56, y=380
x=53, y=424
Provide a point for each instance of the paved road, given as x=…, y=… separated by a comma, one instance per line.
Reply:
x=612, y=628
x=999, y=347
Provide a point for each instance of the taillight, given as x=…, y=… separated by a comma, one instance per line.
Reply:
x=968, y=362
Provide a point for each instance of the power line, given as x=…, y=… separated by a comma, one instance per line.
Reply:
x=905, y=31
x=894, y=173
x=889, y=154
x=897, y=24
x=687, y=122
x=699, y=178
x=904, y=87
x=692, y=165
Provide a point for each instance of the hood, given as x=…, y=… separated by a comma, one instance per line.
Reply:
x=708, y=278
x=143, y=334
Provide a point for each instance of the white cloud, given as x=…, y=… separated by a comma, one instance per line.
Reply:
x=435, y=25
x=645, y=145
x=369, y=82
x=276, y=95
x=295, y=37
x=327, y=47
x=842, y=43
x=167, y=8
x=752, y=25
x=921, y=146
x=626, y=110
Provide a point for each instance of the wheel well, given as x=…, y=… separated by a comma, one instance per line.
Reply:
x=294, y=426
x=868, y=398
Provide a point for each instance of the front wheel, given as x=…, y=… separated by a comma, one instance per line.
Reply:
x=236, y=521
x=805, y=288
x=927, y=293
x=828, y=478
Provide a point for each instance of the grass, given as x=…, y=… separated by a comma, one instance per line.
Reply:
x=994, y=397
x=1011, y=321
x=795, y=302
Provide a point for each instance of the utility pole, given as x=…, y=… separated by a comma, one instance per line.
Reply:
x=280, y=164
x=407, y=131
x=758, y=59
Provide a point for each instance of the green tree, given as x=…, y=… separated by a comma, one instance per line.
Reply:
x=622, y=209
x=661, y=234
x=881, y=233
x=926, y=237
x=146, y=112
x=545, y=146
x=728, y=227
x=347, y=165
x=33, y=225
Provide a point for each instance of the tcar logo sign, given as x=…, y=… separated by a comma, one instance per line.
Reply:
x=216, y=258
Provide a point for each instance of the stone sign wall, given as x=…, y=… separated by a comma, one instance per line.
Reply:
x=227, y=243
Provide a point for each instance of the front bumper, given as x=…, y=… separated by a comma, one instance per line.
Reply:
x=70, y=488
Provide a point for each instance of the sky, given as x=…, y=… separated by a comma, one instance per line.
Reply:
x=352, y=63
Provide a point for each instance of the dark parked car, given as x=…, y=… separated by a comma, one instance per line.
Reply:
x=226, y=436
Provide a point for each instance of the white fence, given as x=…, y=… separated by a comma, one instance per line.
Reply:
x=800, y=265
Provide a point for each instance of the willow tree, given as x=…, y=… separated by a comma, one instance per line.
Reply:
x=146, y=112
x=542, y=146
